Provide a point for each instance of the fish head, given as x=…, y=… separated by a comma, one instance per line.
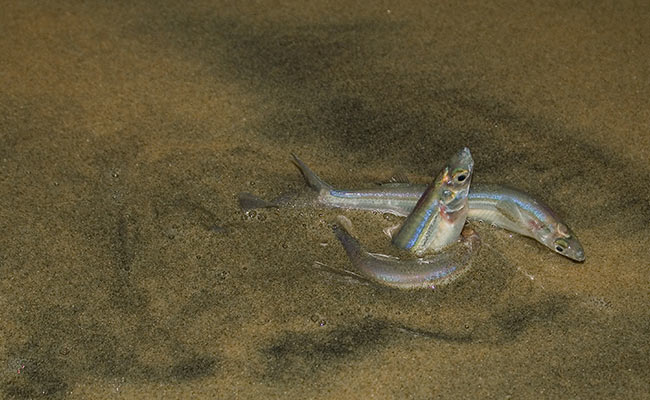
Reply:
x=565, y=242
x=455, y=180
x=559, y=238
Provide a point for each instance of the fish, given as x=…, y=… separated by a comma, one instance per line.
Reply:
x=430, y=272
x=439, y=215
x=500, y=205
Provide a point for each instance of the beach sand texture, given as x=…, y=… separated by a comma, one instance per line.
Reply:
x=127, y=130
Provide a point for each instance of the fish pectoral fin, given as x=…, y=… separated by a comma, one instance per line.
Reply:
x=510, y=211
x=391, y=230
x=345, y=275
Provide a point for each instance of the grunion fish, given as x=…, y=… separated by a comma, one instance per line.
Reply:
x=499, y=205
x=430, y=272
x=439, y=215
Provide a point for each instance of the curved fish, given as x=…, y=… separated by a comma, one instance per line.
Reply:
x=439, y=215
x=430, y=272
x=499, y=205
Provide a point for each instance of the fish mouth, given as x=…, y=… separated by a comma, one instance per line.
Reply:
x=462, y=158
x=578, y=255
x=573, y=250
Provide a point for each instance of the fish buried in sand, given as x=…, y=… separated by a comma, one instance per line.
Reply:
x=439, y=215
x=435, y=222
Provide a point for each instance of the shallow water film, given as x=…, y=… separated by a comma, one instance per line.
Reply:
x=128, y=129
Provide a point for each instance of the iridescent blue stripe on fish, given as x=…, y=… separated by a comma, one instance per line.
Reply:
x=353, y=195
x=423, y=223
x=502, y=198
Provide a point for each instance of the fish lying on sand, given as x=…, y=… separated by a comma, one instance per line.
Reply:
x=429, y=272
x=499, y=205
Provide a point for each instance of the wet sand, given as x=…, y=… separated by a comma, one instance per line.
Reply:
x=127, y=269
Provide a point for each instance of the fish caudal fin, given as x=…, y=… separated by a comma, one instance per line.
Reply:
x=248, y=202
x=352, y=247
x=312, y=179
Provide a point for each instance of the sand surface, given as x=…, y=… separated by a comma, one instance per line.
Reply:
x=127, y=130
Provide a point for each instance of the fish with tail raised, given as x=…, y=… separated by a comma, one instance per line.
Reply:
x=499, y=205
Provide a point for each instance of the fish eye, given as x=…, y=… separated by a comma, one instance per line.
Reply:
x=461, y=175
x=561, y=245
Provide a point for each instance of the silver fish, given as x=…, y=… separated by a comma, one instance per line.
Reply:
x=499, y=205
x=439, y=215
x=430, y=272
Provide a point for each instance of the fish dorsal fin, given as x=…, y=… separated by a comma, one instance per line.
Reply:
x=393, y=184
x=399, y=177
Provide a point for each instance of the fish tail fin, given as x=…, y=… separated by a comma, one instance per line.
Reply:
x=312, y=179
x=248, y=201
x=352, y=247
